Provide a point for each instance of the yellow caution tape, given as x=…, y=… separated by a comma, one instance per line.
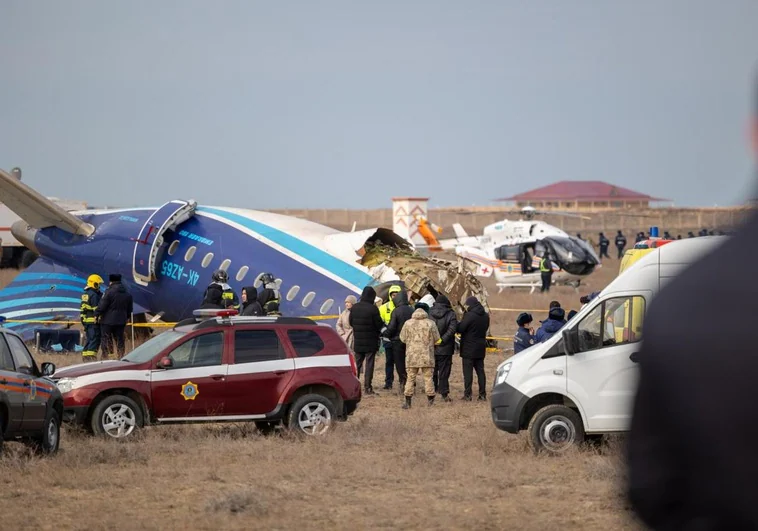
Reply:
x=171, y=325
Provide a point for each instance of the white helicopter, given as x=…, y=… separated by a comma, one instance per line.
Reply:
x=511, y=251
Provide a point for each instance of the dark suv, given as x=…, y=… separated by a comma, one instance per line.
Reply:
x=31, y=406
x=219, y=368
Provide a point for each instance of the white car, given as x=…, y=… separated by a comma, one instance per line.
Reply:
x=580, y=383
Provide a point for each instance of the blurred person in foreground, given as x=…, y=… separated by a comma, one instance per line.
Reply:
x=692, y=445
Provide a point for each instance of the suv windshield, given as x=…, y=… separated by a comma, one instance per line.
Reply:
x=150, y=348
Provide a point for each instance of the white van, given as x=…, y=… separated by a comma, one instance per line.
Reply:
x=580, y=383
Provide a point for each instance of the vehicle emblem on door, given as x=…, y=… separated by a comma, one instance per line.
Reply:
x=190, y=391
x=32, y=389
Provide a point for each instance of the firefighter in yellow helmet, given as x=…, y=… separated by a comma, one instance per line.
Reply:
x=90, y=299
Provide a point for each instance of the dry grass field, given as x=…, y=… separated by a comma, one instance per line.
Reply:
x=445, y=467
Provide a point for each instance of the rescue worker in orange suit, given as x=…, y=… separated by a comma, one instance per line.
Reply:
x=114, y=311
x=90, y=299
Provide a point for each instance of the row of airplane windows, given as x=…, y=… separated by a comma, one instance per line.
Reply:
x=242, y=273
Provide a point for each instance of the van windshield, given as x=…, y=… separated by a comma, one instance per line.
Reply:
x=150, y=348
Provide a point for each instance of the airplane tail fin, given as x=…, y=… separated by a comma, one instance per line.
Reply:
x=37, y=210
x=459, y=232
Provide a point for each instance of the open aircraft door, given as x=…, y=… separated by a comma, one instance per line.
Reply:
x=150, y=239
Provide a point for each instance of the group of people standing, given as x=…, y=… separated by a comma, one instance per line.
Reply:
x=416, y=339
x=104, y=316
x=220, y=295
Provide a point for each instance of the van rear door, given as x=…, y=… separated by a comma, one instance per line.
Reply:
x=602, y=375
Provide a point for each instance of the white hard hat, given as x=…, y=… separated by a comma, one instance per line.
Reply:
x=428, y=299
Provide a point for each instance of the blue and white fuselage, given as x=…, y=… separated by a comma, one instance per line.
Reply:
x=167, y=269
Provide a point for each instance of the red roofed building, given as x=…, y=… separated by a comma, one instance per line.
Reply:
x=582, y=195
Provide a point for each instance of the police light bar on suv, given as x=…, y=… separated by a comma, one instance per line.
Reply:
x=2, y=320
x=212, y=313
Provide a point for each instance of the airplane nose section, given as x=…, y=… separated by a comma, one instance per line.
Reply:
x=25, y=234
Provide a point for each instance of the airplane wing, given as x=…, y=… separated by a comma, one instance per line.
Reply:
x=37, y=210
x=45, y=291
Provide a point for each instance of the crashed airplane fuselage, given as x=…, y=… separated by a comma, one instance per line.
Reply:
x=166, y=256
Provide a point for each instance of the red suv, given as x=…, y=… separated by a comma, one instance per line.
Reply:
x=217, y=369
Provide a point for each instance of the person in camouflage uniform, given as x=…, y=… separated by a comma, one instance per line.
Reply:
x=419, y=334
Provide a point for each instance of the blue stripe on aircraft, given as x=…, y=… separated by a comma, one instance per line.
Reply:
x=313, y=254
x=38, y=300
x=48, y=276
x=36, y=287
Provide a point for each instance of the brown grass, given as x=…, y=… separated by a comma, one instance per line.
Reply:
x=445, y=467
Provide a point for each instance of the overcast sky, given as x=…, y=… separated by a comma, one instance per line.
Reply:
x=346, y=104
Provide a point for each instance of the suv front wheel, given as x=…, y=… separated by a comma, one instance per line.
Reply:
x=312, y=415
x=116, y=416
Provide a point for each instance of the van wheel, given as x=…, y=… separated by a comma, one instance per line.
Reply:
x=2, y=426
x=555, y=429
x=49, y=440
x=311, y=415
x=116, y=416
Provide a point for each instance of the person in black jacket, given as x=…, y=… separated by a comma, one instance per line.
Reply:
x=473, y=330
x=250, y=304
x=691, y=449
x=367, y=326
x=213, y=299
x=603, y=245
x=620, y=244
x=114, y=311
x=399, y=316
x=447, y=325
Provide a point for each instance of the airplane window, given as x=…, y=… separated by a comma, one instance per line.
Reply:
x=207, y=260
x=225, y=265
x=257, y=282
x=326, y=306
x=173, y=247
x=190, y=253
x=308, y=298
x=292, y=293
x=278, y=283
x=242, y=272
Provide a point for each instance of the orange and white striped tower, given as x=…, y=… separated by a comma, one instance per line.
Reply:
x=404, y=217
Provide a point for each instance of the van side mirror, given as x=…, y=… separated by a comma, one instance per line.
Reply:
x=48, y=369
x=165, y=363
x=570, y=341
